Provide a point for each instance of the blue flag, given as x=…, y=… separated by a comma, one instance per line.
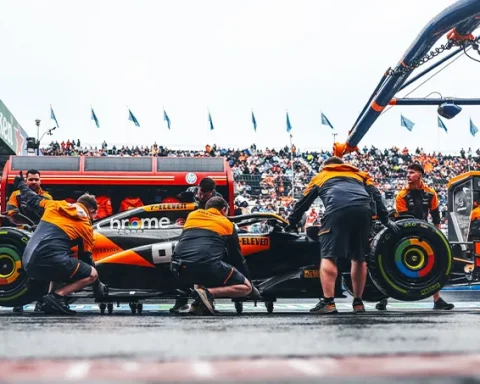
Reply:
x=289, y=126
x=166, y=118
x=254, y=122
x=52, y=116
x=473, y=128
x=404, y=122
x=133, y=118
x=210, y=120
x=442, y=125
x=94, y=118
x=325, y=121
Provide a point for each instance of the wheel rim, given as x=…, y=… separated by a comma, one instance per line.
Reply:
x=414, y=258
x=10, y=265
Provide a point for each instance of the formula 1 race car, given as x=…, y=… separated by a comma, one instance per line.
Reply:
x=133, y=251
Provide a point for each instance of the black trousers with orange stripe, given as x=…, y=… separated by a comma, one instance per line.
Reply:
x=212, y=274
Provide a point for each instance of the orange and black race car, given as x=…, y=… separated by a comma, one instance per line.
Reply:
x=133, y=251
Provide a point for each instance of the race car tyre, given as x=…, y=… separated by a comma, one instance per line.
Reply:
x=412, y=265
x=16, y=288
x=370, y=292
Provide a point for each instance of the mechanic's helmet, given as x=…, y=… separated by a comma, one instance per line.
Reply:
x=170, y=200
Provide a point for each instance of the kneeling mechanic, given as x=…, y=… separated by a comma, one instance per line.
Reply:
x=48, y=255
x=208, y=240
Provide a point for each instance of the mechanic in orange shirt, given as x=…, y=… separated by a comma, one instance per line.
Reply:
x=130, y=203
x=419, y=200
x=208, y=239
x=16, y=203
x=104, y=207
x=48, y=254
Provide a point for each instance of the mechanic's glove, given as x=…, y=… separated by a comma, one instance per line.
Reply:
x=393, y=227
x=18, y=181
x=99, y=289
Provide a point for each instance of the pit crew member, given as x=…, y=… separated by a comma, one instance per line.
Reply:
x=16, y=205
x=349, y=197
x=418, y=200
x=208, y=238
x=48, y=255
x=202, y=193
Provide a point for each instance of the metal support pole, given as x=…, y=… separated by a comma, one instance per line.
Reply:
x=37, y=122
x=438, y=101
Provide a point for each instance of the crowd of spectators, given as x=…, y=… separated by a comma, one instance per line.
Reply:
x=268, y=180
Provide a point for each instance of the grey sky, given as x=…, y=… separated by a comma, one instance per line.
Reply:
x=230, y=57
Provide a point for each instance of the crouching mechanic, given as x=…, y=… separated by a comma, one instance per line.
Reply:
x=348, y=195
x=208, y=240
x=48, y=255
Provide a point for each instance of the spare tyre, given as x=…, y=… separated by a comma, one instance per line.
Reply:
x=412, y=265
x=370, y=292
x=16, y=288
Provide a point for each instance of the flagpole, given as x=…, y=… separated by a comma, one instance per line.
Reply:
x=293, y=168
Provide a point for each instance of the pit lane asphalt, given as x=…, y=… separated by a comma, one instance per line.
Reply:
x=289, y=331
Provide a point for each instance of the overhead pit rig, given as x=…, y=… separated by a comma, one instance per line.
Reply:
x=457, y=23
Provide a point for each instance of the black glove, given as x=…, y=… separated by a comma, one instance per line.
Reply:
x=18, y=181
x=393, y=227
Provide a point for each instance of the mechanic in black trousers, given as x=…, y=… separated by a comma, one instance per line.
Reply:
x=350, y=198
x=204, y=192
x=200, y=256
x=16, y=204
x=418, y=200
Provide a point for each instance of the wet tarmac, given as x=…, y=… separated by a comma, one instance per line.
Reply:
x=288, y=334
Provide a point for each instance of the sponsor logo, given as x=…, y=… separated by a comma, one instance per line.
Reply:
x=428, y=290
x=136, y=224
x=170, y=207
x=262, y=241
x=311, y=274
x=191, y=178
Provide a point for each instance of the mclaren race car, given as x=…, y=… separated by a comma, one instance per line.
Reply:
x=133, y=251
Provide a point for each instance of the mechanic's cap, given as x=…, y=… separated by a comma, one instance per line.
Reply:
x=170, y=200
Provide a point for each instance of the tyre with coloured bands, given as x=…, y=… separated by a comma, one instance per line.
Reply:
x=16, y=288
x=412, y=265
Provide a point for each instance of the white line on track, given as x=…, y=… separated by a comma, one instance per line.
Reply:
x=78, y=371
x=203, y=369
x=305, y=366
x=131, y=366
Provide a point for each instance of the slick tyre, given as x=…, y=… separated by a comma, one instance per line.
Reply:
x=412, y=265
x=16, y=288
x=370, y=292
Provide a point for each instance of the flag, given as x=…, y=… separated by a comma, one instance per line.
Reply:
x=94, y=118
x=166, y=118
x=404, y=122
x=325, y=121
x=254, y=122
x=473, y=128
x=210, y=120
x=52, y=116
x=133, y=118
x=442, y=125
x=289, y=126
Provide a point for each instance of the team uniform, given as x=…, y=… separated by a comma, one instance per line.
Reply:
x=350, y=199
x=419, y=203
x=17, y=203
x=48, y=255
x=207, y=242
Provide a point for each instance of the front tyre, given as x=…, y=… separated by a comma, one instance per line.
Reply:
x=413, y=265
x=16, y=288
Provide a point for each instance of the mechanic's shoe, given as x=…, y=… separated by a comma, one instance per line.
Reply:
x=18, y=309
x=442, y=304
x=358, y=306
x=324, y=308
x=205, y=299
x=382, y=305
x=38, y=307
x=58, y=303
x=181, y=306
x=99, y=289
